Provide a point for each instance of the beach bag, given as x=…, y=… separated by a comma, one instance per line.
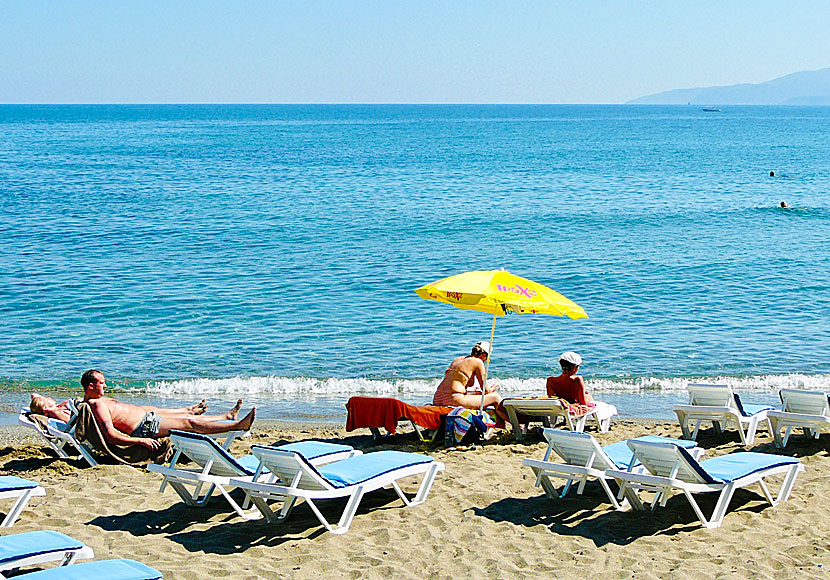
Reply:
x=466, y=426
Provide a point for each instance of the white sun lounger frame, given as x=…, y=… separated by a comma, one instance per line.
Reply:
x=666, y=469
x=306, y=483
x=807, y=410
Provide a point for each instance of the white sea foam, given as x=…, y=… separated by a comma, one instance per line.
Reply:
x=282, y=386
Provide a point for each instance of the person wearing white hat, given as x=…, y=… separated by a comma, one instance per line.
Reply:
x=458, y=387
x=569, y=385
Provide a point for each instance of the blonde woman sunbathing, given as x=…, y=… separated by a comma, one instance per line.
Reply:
x=457, y=389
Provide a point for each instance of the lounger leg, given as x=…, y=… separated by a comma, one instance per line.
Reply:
x=236, y=507
x=718, y=427
x=787, y=435
x=580, y=424
x=788, y=484
x=609, y=493
x=697, y=429
x=514, y=422
x=17, y=508
x=750, y=431
x=547, y=485
x=426, y=486
x=775, y=429
x=262, y=505
x=720, y=507
x=192, y=498
x=765, y=490
x=684, y=425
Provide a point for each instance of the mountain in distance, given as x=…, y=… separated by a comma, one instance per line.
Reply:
x=806, y=88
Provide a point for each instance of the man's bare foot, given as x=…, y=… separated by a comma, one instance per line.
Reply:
x=198, y=408
x=248, y=420
x=231, y=416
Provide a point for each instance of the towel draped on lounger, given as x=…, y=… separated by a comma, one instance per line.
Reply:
x=87, y=429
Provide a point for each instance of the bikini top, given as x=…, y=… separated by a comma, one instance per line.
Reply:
x=460, y=375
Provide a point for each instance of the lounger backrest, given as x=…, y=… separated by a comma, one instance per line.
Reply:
x=711, y=396
x=290, y=467
x=578, y=448
x=805, y=402
x=202, y=449
x=555, y=406
x=668, y=460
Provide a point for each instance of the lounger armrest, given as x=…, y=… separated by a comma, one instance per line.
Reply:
x=182, y=473
x=646, y=479
x=559, y=468
x=787, y=416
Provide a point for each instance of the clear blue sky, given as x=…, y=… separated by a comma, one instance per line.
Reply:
x=413, y=51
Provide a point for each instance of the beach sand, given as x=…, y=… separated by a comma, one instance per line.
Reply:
x=484, y=518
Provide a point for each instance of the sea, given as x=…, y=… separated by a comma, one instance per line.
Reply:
x=271, y=252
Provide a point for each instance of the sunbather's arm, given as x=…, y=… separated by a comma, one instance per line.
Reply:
x=113, y=435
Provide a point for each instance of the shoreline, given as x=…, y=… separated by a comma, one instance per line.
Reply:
x=483, y=512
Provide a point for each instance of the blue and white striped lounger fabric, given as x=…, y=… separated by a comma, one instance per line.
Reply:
x=719, y=405
x=217, y=466
x=21, y=490
x=669, y=467
x=100, y=569
x=43, y=546
x=352, y=478
x=583, y=459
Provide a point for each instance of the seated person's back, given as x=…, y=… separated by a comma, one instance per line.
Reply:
x=569, y=385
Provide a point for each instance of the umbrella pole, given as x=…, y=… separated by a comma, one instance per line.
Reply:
x=487, y=364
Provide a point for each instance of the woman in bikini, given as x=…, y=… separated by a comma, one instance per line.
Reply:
x=457, y=388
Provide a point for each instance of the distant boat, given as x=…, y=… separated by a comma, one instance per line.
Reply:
x=711, y=109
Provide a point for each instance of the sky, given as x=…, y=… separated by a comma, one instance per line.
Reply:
x=396, y=51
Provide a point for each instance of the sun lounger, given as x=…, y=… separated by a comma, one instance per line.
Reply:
x=21, y=490
x=376, y=412
x=59, y=435
x=807, y=410
x=102, y=569
x=719, y=405
x=350, y=478
x=217, y=466
x=41, y=547
x=584, y=459
x=549, y=409
x=669, y=467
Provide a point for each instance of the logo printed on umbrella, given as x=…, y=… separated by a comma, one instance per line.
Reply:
x=455, y=296
x=517, y=290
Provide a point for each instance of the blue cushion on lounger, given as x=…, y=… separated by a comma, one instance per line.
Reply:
x=309, y=449
x=103, y=569
x=750, y=410
x=25, y=545
x=364, y=467
x=734, y=466
x=10, y=483
x=621, y=454
x=315, y=449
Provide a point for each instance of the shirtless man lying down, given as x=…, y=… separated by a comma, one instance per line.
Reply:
x=126, y=424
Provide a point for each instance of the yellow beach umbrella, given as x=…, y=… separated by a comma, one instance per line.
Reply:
x=499, y=292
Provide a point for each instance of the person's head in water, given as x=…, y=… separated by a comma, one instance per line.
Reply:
x=772, y=174
x=784, y=204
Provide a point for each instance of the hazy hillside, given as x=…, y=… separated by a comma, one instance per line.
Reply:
x=801, y=88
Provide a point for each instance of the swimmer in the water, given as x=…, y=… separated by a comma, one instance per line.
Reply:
x=772, y=174
x=784, y=205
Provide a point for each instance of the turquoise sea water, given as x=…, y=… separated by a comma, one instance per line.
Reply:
x=271, y=252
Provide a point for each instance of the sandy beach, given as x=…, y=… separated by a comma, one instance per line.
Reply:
x=484, y=518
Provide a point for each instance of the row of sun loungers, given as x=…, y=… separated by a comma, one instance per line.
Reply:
x=312, y=471
x=661, y=466
x=47, y=547
x=719, y=405
x=308, y=470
